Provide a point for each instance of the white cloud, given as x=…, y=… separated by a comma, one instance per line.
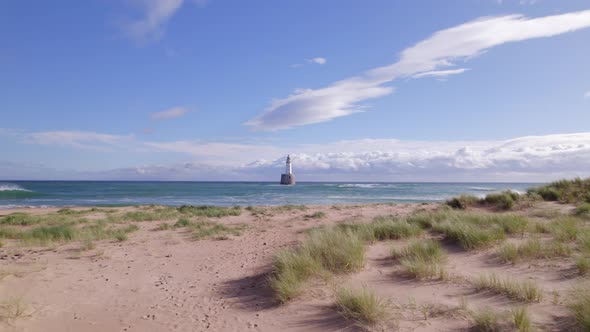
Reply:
x=531, y=158
x=155, y=14
x=434, y=54
x=440, y=73
x=318, y=60
x=170, y=113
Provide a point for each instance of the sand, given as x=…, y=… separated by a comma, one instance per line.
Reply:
x=163, y=280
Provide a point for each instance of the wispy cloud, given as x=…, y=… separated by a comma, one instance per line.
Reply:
x=78, y=139
x=434, y=54
x=318, y=60
x=170, y=113
x=531, y=158
x=154, y=16
x=440, y=73
x=587, y=94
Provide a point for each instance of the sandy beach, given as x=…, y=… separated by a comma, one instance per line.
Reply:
x=161, y=278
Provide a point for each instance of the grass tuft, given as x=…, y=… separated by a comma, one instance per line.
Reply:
x=579, y=306
x=360, y=305
x=315, y=215
x=524, y=291
x=463, y=202
x=566, y=191
x=390, y=228
x=486, y=320
x=422, y=259
x=333, y=251
x=521, y=319
x=583, y=265
x=532, y=249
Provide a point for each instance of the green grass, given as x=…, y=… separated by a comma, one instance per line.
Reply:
x=361, y=305
x=579, y=306
x=521, y=319
x=205, y=229
x=470, y=236
x=463, y=202
x=501, y=201
x=566, y=191
x=565, y=229
x=324, y=250
x=391, y=228
x=532, y=249
x=583, y=210
x=422, y=259
x=209, y=211
x=290, y=208
x=520, y=290
x=486, y=320
x=583, y=265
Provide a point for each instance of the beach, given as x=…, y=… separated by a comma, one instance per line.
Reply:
x=162, y=276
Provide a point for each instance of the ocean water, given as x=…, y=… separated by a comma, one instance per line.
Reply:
x=97, y=193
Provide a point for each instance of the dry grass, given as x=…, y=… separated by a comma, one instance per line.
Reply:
x=532, y=249
x=579, y=306
x=422, y=259
x=361, y=305
x=333, y=251
x=12, y=309
x=527, y=290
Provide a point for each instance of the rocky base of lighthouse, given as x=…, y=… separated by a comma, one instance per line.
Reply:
x=287, y=179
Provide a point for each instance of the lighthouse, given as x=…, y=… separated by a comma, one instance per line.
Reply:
x=288, y=178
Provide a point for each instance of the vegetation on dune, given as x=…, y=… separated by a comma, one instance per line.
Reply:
x=565, y=191
x=583, y=265
x=505, y=200
x=583, y=210
x=532, y=249
x=521, y=319
x=470, y=236
x=486, y=320
x=385, y=228
x=422, y=259
x=463, y=202
x=361, y=305
x=315, y=215
x=332, y=250
x=520, y=290
x=579, y=305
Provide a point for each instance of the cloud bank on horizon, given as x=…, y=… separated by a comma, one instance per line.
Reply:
x=435, y=56
x=530, y=158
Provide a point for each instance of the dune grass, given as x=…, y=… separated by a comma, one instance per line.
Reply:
x=391, y=228
x=532, y=249
x=462, y=202
x=566, y=191
x=325, y=250
x=469, y=236
x=583, y=210
x=422, y=259
x=361, y=305
x=583, y=264
x=520, y=290
x=315, y=215
x=505, y=200
x=209, y=211
x=565, y=229
x=521, y=319
x=579, y=305
x=486, y=320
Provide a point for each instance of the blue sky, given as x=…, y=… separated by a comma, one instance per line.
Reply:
x=482, y=90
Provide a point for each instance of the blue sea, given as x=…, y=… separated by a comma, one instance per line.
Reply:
x=15, y=194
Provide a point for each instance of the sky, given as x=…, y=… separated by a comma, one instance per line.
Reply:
x=353, y=90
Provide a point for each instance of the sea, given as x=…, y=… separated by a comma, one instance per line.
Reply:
x=18, y=194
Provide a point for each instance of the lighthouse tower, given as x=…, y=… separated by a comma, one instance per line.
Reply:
x=288, y=178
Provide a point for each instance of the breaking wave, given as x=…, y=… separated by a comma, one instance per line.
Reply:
x=14, y=191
